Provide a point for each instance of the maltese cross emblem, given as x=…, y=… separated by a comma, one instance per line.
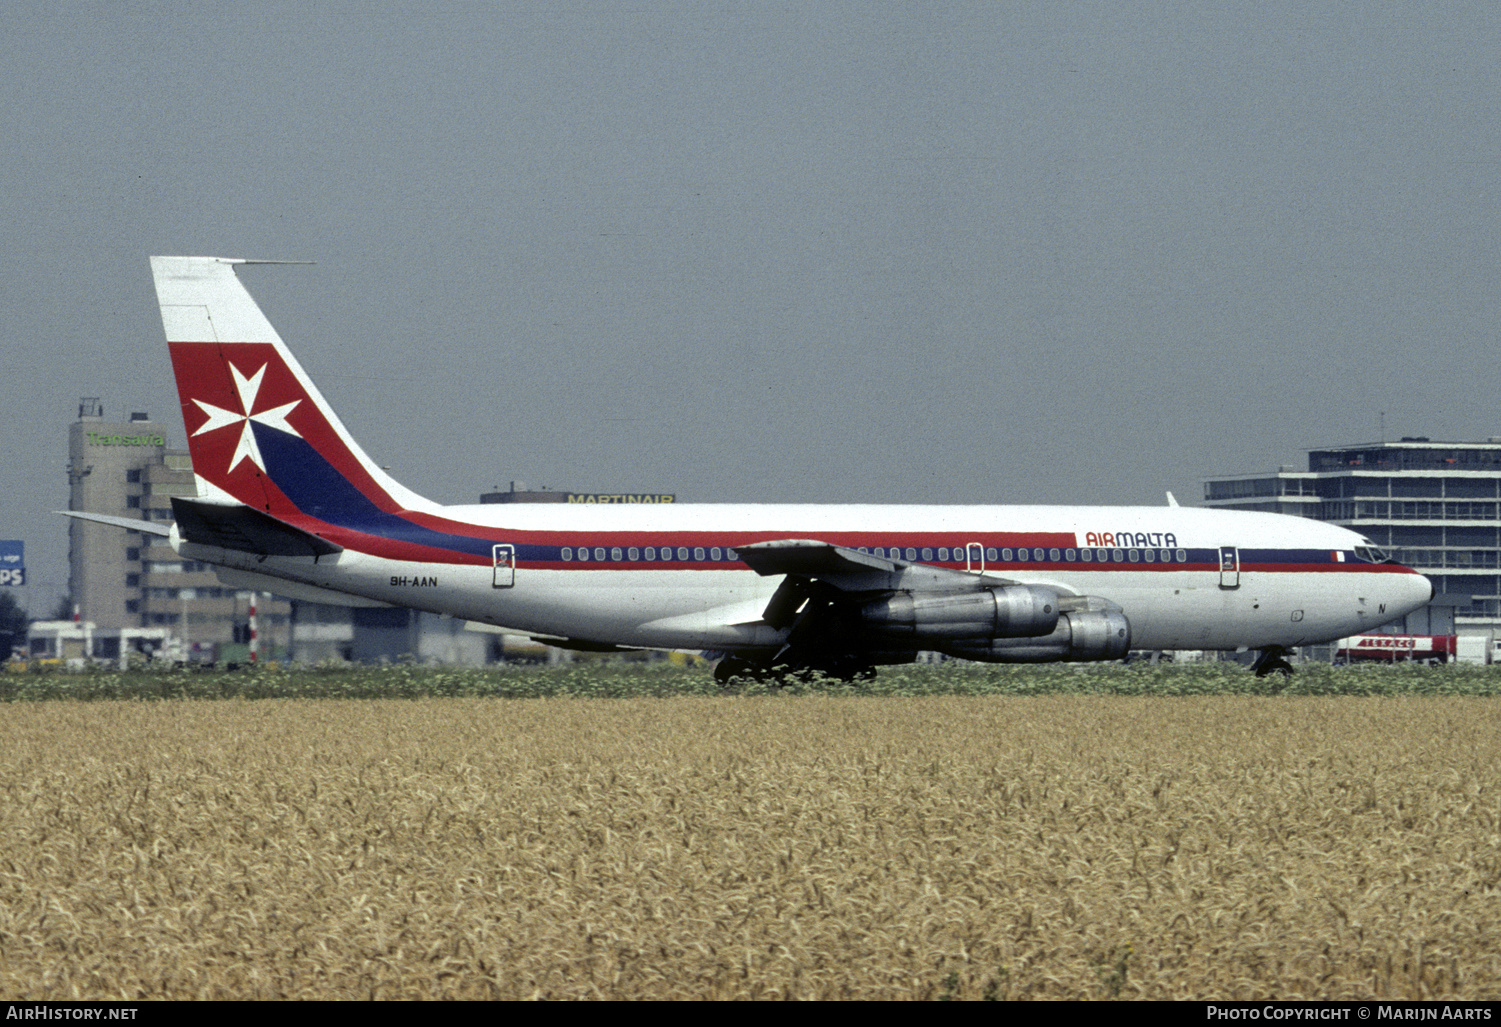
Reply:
x=218, y=417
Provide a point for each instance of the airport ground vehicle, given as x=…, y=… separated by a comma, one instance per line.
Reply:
x=1397, y=648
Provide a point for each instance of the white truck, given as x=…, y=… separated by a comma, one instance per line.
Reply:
x=1476, y=650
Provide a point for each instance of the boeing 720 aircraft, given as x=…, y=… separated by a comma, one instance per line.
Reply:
x=288, y=502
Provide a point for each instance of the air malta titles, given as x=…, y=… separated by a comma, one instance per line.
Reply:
x=1131, y=539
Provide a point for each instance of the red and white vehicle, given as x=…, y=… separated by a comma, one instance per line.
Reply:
x=1398, y=648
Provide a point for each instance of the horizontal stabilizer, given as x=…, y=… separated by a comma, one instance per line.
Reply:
x=245, y=529
x=128, y=523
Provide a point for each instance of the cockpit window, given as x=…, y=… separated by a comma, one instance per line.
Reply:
x=1371, y=554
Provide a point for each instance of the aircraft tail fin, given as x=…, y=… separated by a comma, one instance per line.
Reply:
x=259, y=431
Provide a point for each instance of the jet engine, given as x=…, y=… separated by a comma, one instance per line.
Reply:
x=1086, y=634
x=1004, y=612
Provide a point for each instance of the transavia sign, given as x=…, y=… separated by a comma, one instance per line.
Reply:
x=99, y=439
x=12, y=562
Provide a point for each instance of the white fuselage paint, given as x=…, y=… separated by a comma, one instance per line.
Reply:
x=718, y=606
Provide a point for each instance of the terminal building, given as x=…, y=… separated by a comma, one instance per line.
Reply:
x=1432, y=505
x=122, y=580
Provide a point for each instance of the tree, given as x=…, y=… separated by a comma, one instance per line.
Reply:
x=13, y=622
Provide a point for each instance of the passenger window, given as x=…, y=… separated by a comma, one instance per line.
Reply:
x=616, y=554
x=1135, y=554
x=1150, y=555
x=1021, y=554
x=568, y=552
x=911, y=553
x=1118, y=555
x=1053, y=555
x=633, y=554
x=1086, y=555
x=698, y=553
x=990, y=553
x=927, y=553
x=599, y=552
x=1006, y=555
x=714, y=553
x=1068, y=555
x=943, y=554
x=1183, y=556
x=682, y=553
x=651, y=552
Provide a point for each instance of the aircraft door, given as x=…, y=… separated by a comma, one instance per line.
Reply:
x=974, y=555
x=505, y=566
x=1229, y=567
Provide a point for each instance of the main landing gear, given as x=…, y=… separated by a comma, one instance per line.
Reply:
x=737, y=668
x=734, y=670
x=1273, y=660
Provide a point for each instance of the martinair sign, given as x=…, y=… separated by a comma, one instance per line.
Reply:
x=638, y=497
x=12, y=562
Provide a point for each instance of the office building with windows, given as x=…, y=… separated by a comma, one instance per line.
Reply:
x=1435, y=506
x=132, y=579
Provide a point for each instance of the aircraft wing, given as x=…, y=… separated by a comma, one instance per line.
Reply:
x=822, y=568
x=815, y=559
x=850, y=570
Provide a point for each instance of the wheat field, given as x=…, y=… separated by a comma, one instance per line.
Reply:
x=752, y=847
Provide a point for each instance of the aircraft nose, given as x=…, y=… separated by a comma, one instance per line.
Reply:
x=1414, y=591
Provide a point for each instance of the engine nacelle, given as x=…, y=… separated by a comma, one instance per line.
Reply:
x=1097, y=634
x=1005, y=612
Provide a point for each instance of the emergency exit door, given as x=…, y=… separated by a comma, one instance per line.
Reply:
x=1229, y=567
x=974, y=557
x=505, y=566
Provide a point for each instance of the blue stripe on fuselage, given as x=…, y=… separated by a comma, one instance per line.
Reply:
x=317, y=489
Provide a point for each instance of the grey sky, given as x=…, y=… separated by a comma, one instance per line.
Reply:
x=768, y=251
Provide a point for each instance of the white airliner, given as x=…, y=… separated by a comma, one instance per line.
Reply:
x=288, y=502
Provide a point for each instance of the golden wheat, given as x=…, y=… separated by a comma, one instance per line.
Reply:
x=752, y=847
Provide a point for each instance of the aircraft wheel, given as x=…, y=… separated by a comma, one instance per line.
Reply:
x=1273, y=665
x=735, y=670
x=853, y=672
